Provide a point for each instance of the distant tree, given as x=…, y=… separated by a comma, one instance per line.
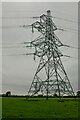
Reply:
x=78, y=93
x=40, y=95
x=8, y=94
x=55, y=95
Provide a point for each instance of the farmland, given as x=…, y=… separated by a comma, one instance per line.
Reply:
x=14, y=107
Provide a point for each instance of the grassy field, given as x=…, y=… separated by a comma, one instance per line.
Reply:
x=39, y=108
x=0, y=107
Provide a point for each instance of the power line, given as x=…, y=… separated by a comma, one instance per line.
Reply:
x=17, y=17
x=26, y=11
x=58, y=27
x=64, y=19
x=18, y=54
x=69, y=15
x=23, y=11
x=12, y=43
x=9, y=45
x=13, y=47
x=71, y=57
x=36, y=17
x=27, y=26
x=9, y=26
x=15, y=26
x=71, y=47
x=66, y=29
x=34, y=53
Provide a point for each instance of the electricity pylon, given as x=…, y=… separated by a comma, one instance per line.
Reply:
x=50, y=77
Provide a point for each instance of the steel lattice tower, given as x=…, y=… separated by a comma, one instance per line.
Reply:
x=55, y=80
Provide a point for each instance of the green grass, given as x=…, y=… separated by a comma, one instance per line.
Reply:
x=0, y=107
x=20, y=108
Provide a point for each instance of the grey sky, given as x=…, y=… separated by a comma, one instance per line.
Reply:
x=18, y=71
x=1, y=49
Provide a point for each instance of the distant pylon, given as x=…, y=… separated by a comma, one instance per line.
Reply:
x=50, y=77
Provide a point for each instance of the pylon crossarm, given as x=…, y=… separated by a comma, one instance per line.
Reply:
x=38, y=40
x=39, y=27
x=58, y=42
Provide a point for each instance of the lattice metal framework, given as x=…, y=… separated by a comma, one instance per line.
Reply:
x=50, y=77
